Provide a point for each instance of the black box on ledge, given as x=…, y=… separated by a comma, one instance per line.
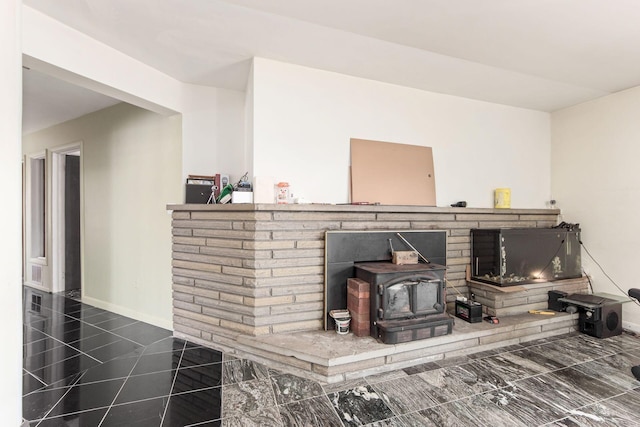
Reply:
x=197, y=193
x=554, y=304
x=470, y=311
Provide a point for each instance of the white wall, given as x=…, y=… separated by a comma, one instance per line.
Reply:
x=213, y=125
x=248, y=124
x=594, y=178
x=212, y=141
x=132, y=167
x=213, y=122
x=10, y=214
x=304, y=119
x=54, y=48
x=230, y=137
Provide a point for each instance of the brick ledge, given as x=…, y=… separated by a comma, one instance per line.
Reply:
x=328, y=357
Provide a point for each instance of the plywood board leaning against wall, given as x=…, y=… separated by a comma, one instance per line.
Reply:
x=392, y=174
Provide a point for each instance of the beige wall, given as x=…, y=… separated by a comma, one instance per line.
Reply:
x=131, y=166
x=594, y=176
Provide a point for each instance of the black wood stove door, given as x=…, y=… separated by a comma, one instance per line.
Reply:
x=405, y=298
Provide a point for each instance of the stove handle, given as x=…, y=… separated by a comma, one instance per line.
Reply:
x=417, y=282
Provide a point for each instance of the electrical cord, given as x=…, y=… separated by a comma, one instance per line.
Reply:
x=552, y=257
x=454, y=288
x=568, y=227
x=606, y=275
x=588, y=280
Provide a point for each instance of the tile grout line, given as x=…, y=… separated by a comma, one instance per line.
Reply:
x=121, y=387
x=44, y=417
x=619, y=345
x=509, y=383
x=173, y=383
x=333, y=407
x=35, y=378
x=273, y=394
x=79, y=319
x=324, y=394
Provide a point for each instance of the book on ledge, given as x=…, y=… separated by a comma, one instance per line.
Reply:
x=201, y=179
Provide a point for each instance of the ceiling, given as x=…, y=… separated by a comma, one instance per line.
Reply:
x=537, y=54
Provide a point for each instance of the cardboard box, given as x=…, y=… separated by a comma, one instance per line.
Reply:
x=242, y=197
x=405, y=257
x=392, y=174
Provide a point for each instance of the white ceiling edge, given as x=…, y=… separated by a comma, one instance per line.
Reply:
x=533, y=56
x=48, y=101
x=585, y=43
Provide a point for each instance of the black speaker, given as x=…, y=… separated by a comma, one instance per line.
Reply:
x=554, y=304
x=601, y=322
x=197, y=193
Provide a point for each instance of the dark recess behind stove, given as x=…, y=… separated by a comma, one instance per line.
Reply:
x=345, y=248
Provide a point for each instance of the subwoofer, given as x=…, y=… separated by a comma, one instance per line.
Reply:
x=603, y=321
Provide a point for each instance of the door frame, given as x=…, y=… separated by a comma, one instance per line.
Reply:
x=35, y=266
x=58, y=214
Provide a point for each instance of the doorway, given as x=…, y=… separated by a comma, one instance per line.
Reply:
x=66, y=221
x=72, y=223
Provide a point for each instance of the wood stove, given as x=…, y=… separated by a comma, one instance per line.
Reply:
x=345, y=249
x=407, y=302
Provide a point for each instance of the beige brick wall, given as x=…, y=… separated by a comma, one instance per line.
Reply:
x=259, y=269
x=521, y=298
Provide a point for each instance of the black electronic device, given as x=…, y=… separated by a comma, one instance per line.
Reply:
x=492, y=319
x=601, y=322
x=598, y=316
x=470, y=311
x=554, y=304
x=197, y=193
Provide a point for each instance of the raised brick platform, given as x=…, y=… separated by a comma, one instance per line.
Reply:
x=249, y=278
x=507, y=301
x=326, y=356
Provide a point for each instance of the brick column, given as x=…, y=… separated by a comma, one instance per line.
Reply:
x=358, y=305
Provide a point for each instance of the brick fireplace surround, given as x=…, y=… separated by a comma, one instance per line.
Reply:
x=249, y=280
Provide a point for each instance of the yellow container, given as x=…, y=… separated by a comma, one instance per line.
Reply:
x=502, y=198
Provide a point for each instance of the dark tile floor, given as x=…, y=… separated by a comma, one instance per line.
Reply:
x=88, y=367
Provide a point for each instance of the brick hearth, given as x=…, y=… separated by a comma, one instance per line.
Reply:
x=244, y=272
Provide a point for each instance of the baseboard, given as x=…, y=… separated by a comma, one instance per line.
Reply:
x=124, y=311
x=37, y=287
x=633, y=327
